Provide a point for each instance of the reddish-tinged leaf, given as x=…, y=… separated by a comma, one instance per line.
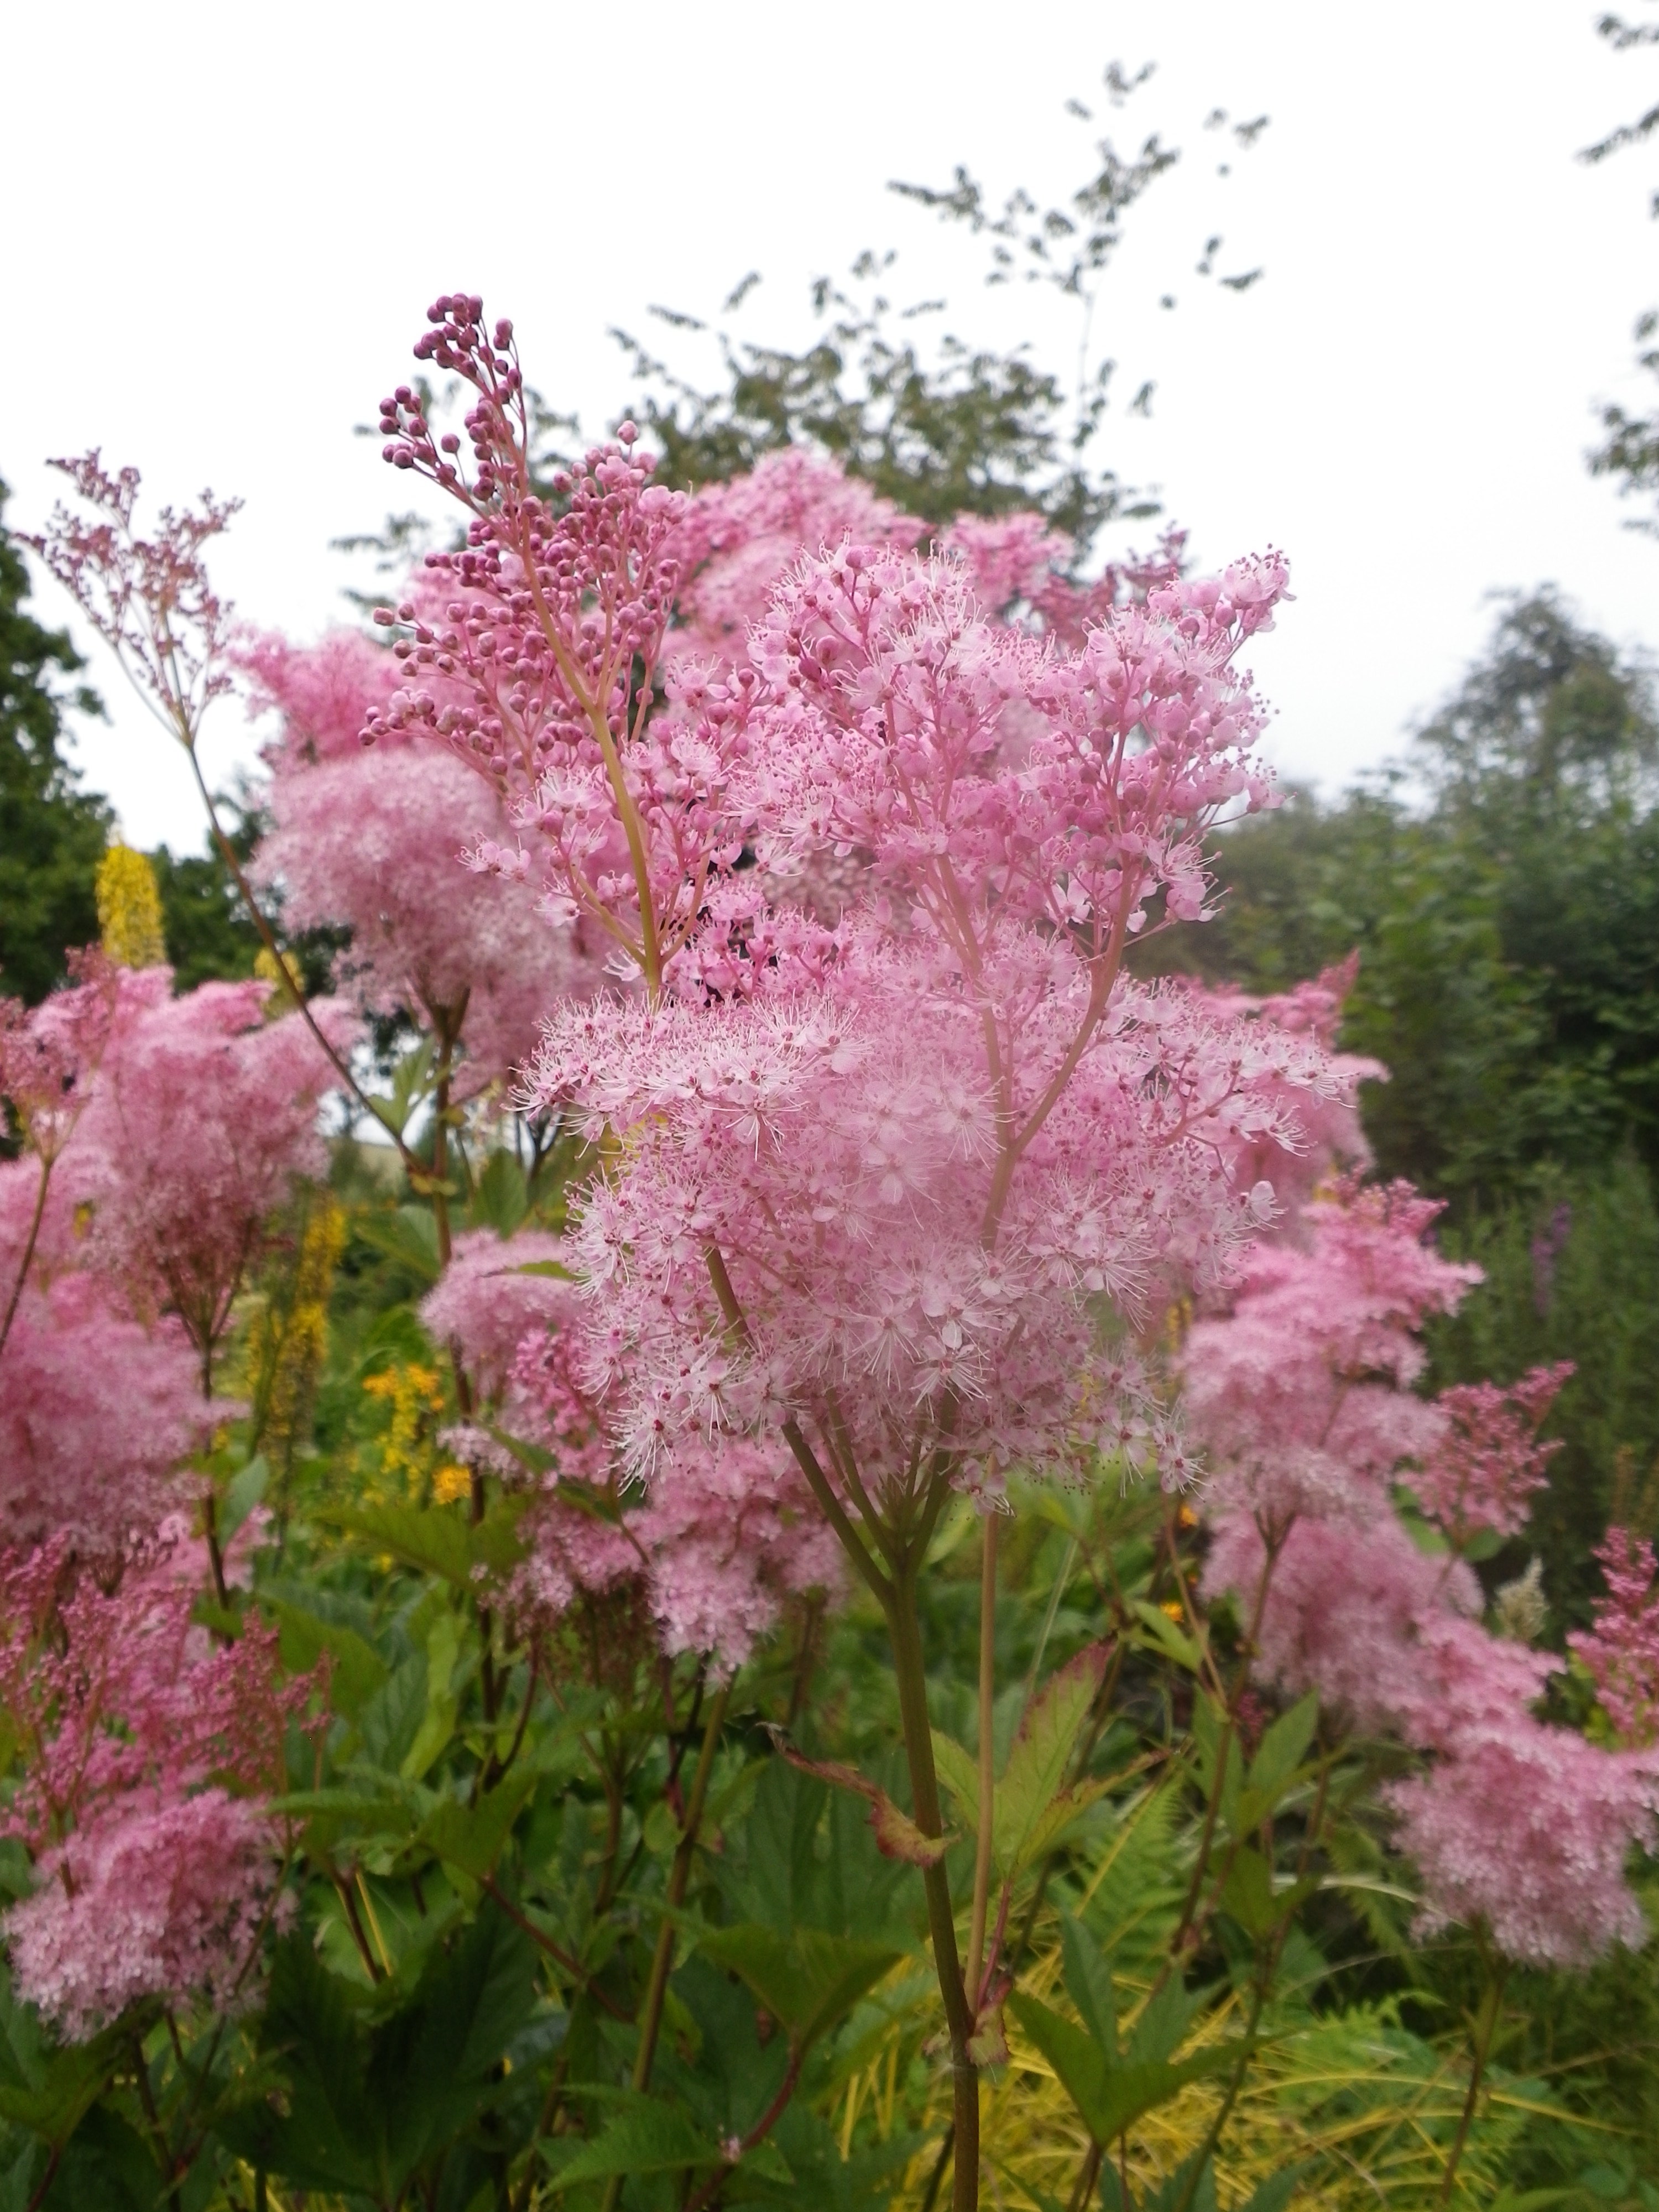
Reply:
x=987, y=2046
x=897, y=1836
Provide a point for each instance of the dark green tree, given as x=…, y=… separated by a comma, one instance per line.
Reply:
x=51, y=833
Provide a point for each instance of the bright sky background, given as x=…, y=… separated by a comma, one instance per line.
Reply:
x=224, y=223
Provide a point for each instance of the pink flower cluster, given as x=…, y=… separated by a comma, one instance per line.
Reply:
x=842, y=1158
x=1621, y=1647
x=1303, y=1395
x=147, y=1749
x=1491, y=1458
x=1332, y=1137
x=204, y=1115
x=879, y=1149
x=97, y=1402
x=376, y=844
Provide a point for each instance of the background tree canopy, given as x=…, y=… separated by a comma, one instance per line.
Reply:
x=52, y=834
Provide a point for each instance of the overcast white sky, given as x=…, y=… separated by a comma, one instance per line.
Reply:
x=223, y=225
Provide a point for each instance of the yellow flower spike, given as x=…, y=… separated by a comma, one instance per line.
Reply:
x=414, y=1393
x=129, y=909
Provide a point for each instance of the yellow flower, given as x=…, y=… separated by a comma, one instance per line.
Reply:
x=287, y=1348
x=451, y=1483
x=414, y=1393
x=129, y=909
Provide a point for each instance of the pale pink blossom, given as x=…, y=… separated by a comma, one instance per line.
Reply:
x=1490, y=1461
x=388, y=847
x=1621, y=1646
x=203, y=1117
x=495, y=1293
x=148, y=1751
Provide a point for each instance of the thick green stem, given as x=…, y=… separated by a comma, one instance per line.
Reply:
x=988, y=1768
x=679, y=1875
x=906, y=1633
x=662, y=1960
x=1485, y=2026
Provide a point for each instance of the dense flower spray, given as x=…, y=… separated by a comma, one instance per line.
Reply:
x=817, y=845
x=1620, y=1649
x=872, y=1166
x=204, y=1115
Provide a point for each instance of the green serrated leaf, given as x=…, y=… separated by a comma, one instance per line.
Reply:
x=1173, y=1642
x=1274, y=2194
x=473, y=1837
x=1042, y=1751
x=65, y=2087
x=500, y=1196
x=1281, y=1751
x=433, y=1540
x=409, y=1235
x=1181, y=2188
x=1247, y=1895
x=807, y=1980
x=443, y=1647
x=1111, y=2098
x=958, y=1771
x=356, y=1671
x=897, y=1836
x=1216, y=1743
x=648, y=2137
x=1164, y=2022
x=1089, y=1983
x=245, y=1490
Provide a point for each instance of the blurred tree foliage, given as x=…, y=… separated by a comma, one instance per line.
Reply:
x=52, y=834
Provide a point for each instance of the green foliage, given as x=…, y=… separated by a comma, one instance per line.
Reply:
x=1507, y=925
x=375, y=2096
x=52, y=835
